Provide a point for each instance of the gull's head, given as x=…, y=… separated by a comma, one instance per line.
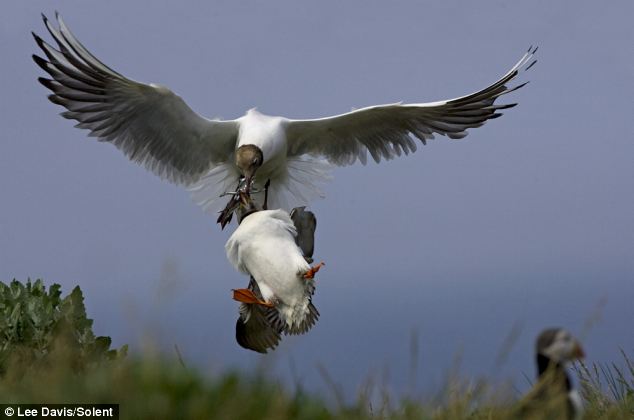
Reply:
x=559, y=346
x=249, y=158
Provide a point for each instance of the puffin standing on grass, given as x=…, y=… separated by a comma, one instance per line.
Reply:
x=553, y=396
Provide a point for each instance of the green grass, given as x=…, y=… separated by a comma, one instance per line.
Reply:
x=154, y=387
x=608, y=389
x=49, y=355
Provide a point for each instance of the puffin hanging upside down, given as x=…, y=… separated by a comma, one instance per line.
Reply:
x=275, y=249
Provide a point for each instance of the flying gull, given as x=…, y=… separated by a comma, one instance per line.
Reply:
x=157, y=129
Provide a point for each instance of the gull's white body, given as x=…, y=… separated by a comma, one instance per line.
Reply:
x=295, y=180
x=263, y=246
x=155, y=127
x=268, y=133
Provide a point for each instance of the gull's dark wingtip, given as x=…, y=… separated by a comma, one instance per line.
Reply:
x=513, y=89
x=60, y=20
x=531, y=65
x=55, y=99
x=47, y=83
x=40, y=61
x=38, y=40
x=505, y=106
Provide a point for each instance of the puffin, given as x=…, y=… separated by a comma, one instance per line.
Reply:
x=275, y=249
x=553, y=395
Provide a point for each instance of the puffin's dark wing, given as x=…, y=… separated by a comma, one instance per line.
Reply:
x=306, y=223
x=149, y=123
x=309, y=321
x=387, y=131
x=258, y=328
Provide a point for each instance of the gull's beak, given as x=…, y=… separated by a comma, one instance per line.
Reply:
x=248, y=179
x=249, y=176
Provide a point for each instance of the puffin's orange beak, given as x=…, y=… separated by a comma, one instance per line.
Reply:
x=577, y=352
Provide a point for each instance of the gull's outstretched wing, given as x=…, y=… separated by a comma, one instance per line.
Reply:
x=387, y=131
x=149, y=123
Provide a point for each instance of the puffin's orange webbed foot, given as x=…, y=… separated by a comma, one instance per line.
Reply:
x=247, y=296
x=313, y=270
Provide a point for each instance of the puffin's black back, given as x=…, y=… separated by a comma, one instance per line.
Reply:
x=306, y=223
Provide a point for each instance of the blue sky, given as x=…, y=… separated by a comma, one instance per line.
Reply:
x=528, y=221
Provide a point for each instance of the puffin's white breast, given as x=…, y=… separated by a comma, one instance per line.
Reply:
x=264, y=247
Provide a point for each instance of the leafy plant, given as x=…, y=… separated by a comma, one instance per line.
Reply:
x=39, y=326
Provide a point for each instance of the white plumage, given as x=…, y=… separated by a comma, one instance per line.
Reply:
x=263, y=246
x=157, y=129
